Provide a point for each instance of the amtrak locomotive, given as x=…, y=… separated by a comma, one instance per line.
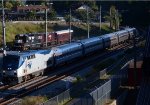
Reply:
x=19, y=66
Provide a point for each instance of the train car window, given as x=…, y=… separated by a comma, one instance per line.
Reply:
x=122, y=36
x=96, y=44
x=113, y=39
x=68, y=53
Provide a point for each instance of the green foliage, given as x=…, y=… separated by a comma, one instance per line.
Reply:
x=16, y=2
x=81, y=14
x=31, y=15
x=92, y=4
x=52, y=14
x=114, y=18
x=80, y=30
x=8, y=5
x=19, y=28
x=67, y=18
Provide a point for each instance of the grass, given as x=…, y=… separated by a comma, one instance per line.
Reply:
x=33, y=100
x=80, y=30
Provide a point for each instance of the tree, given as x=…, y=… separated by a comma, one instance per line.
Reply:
x=67, y=18
x=114, y=18
x=36, y=2
x=8, y=5
x=16, y=3
x=31, y=15
x=52, y=14
x=81, y=14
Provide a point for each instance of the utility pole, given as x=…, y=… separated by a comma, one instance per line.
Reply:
x=118, y=23
x=100, y=18
x=47, y=3
x=110, y=17
x=134, y=47
x=116, y=20
x=46, y=25
x=87, y=11
x=3, y=26
x=70, y=25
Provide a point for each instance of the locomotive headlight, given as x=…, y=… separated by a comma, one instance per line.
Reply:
x=15, y=71
x=3, y=71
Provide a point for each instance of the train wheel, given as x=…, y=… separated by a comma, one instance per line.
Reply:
x=41, y=73
x=27, y=77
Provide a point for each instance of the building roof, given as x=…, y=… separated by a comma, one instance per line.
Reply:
x=63, y=31
x=34, y=7
x=83, y=7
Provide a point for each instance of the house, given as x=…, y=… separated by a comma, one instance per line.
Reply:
x=22, y=12
x=29, y=8
x=83, y=7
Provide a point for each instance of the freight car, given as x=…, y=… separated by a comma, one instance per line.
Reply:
x=38, y=40
x=19, y=66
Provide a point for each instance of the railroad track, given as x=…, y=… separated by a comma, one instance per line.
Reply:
x=30, y=88
x=9, y=87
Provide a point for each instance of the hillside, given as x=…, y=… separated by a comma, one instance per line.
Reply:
x=80, y=30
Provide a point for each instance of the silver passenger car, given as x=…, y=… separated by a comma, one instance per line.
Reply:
x=122, y=35
x=92, y=44
x=131, y=32
x=67, y=52
x=110, y=39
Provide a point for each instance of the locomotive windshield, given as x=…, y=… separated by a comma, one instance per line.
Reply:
x=17, y=37
x=22, y=38
x=10, y=62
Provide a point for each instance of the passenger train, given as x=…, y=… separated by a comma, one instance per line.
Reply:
x=19, y=66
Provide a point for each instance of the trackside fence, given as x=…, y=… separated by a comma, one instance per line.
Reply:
x=96, y=96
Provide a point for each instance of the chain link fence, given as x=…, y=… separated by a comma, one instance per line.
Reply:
x=98, y=96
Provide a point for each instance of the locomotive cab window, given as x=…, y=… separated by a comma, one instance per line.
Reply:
x=31, y=56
